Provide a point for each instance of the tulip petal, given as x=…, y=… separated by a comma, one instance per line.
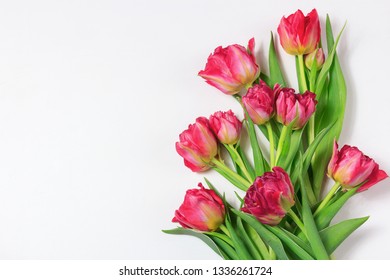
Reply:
x=377, y=176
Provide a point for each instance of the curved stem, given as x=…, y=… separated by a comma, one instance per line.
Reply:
x=311, y=129
x=271, y=144
x=282, y=138
x=239, y=161
x=303, y=85
x=297, y=221
x=327, y=197
x=301, y=76
x=231, y=173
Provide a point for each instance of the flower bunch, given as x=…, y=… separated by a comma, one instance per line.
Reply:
x=283, y=213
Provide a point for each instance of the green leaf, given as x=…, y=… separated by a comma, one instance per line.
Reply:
x=325, y=215
x=307, y=156
x=331, y=109
x=265, y=78
x=227, y=251
x=268, y=237
x=234, y=158
x=259, y=243
x=257, y=154
x=206, y=239
x=301, y=242
x=334, y=235
x=295, y=141
x=211, y=186
x=313, y=75
x=290, y=243
x=231, y=179
x=284, y=143
x=312, y=233
x=276, y=75
x=248, y=165
x=238, y=243
x=329, y=61
x=249, y=243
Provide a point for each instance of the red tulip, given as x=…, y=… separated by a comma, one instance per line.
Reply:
x=259, y=103
x=197, y=145
x=300, y=34
x=226, y=126
x=202, y=209
x=232, y=68
x=270, y=197
x=291, y=106
x=350, y=168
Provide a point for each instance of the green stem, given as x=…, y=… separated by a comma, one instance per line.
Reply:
x=239, y=161
x=311, y=129
x=271, y=144
x=303, y=85
x=297, y=221
x=230, y=172
x=282, y=138
x=301, y=76
x=327, y=197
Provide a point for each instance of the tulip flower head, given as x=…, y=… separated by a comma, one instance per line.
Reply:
x=300, y=34
x=294, y=107
x=202, y=210
x=350, y=168
x=232, y=68
x=226, y=126
x=270, y=197
x=197, y=145
x=318, y=54
x=259, y=103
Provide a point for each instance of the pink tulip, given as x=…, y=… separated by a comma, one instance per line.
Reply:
x=226, y=126
x=202, y=209
x=197, y=145
x=259, y=103
x=232, y=68
x=350, y=168
x=290, y=106
x=300, y=34
x=318, y=54
x=270, y=197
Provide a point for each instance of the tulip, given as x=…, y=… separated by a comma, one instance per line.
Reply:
x=202, y=209
x=226, y=126
x=197, y=145
x=350, y=167
x=232, y=68
x=299, y=34
x=294, y=107
x=270, y=197
x=318, y=55
x=259, y=103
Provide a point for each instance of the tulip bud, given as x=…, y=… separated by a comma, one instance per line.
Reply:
x=226, y=126
x=259, y=103
x=350, y=168
x=197, y=145
x=318, y=55
x=232, y=68
x=270, y=197
x=202, y=209
x=299, y=34
x=294, y=107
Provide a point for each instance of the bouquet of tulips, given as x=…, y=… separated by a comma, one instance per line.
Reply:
x=285, y=207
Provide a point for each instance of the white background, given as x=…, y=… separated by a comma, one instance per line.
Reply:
x=93, y=95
